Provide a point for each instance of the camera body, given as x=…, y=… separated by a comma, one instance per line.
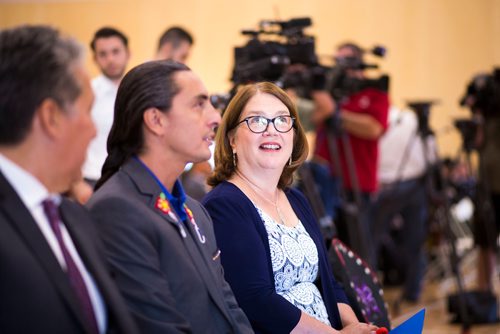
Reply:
x=280, y=52
x=263, y=59
x=483, y=94
x=468, y=129
x=422, y=110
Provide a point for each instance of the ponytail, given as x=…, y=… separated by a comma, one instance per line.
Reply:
x=115, y=159
x=149, y=85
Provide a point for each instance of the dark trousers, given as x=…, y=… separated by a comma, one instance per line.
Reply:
x=408, y=199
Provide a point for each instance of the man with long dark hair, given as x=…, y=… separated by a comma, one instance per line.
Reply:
x=160, y=242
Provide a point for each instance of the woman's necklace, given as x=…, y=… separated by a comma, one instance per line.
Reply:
x=253, y=187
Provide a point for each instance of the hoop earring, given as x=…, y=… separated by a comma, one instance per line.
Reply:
x=234, y=159
x=290, y=161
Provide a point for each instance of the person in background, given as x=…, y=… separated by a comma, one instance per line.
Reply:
x=271, y=248
x=175, y=44
x=111, y=55
x=159, y=241
x=406, y=157
x=362, y=116
x=483, y=99
x=53, y=279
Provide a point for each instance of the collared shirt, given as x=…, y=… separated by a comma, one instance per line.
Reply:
x=177, y=198
x=402, y=152
x=32, y=193
x=102, y=114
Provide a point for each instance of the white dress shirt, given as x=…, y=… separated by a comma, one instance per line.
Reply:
x=402, y=136
x=32, y=193
x=102, y=114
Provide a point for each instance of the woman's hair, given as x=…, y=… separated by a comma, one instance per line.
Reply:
x=225, y=163
x=149, y=85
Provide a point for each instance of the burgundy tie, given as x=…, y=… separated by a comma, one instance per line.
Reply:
x=75, y=278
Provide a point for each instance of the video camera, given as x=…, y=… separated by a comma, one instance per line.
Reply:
x=262, y=59
x=468, y=130
x=341, y=85
x=267, y=59
x=483, y=94
x=280, y=52
x=422, y=110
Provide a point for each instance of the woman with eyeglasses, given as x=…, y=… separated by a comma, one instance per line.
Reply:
x=271, y=248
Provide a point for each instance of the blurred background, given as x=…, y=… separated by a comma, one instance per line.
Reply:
x=433, y=46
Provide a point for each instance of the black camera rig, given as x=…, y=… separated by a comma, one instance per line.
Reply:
x=267, y=59
x=483, y=94
x=281, y=52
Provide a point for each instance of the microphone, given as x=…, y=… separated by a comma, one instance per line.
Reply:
x=379, y=51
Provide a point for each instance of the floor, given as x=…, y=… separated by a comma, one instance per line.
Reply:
x=434, y=297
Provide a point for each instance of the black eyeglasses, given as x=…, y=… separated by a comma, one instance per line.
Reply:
x=259, y=124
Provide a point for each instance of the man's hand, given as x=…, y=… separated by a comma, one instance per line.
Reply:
x=324, y=106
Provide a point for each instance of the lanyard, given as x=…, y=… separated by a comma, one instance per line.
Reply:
x=162, y=203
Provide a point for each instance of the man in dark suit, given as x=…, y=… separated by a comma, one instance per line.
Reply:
x=159, y=241
x=52, y=279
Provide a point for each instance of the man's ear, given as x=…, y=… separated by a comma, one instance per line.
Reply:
x=154, y=120
x=50, y=117
x=166, y=51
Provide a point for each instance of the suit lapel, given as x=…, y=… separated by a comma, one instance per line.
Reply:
x=148, y=186
x=90, y=252
x=22, y=221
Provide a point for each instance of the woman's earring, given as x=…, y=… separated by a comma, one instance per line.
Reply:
x=234, y=159
x=290, y=161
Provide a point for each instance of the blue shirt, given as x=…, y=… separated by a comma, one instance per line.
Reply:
x=177, y=199
x=178, y=196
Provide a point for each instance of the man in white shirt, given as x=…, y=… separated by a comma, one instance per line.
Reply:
x=52, y=279
x=111, y=55
x=407, y=150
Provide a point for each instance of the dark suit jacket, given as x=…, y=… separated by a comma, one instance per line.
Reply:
x=171, y=284
x=35, y=293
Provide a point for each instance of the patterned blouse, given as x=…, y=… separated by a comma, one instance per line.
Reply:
x=295, y=265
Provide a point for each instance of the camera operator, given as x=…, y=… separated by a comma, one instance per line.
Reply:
x=406, y=155
x=483, y=98
x=362, y=116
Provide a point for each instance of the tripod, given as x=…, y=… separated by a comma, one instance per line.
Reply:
x=350, y=225
x=442, y=213
x=402, y=169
